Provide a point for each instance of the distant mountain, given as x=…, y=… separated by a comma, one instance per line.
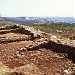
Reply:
x=39, y=20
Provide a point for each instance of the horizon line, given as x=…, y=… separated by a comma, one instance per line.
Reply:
x=37, y=16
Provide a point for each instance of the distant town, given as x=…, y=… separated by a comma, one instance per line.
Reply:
x=39, y=20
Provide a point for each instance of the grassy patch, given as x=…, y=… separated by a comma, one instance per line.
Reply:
x=53, y=28
x=5, y=23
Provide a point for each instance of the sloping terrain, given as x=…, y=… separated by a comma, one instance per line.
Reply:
x=26, y=51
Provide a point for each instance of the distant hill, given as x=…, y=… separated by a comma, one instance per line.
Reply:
x=39, y=20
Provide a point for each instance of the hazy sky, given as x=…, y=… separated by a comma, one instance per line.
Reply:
x=37, y=8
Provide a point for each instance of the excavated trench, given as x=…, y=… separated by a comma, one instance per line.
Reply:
x=22, y=53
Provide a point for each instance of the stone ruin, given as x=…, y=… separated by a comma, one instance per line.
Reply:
x=39, y=40
x=42, y=39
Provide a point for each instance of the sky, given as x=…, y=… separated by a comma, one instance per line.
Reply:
x=43, y=8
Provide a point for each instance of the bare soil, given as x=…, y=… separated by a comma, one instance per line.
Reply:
x=16, y=60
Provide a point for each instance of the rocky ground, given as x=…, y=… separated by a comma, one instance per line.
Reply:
x=26, y=51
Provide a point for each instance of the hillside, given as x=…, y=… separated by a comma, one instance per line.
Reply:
x=31, y=50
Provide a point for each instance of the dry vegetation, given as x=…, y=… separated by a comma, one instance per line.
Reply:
x=67, y=30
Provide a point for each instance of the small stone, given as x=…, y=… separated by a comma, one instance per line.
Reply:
x=66, y=71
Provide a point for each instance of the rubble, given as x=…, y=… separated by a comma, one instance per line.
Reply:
x=27, y=51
